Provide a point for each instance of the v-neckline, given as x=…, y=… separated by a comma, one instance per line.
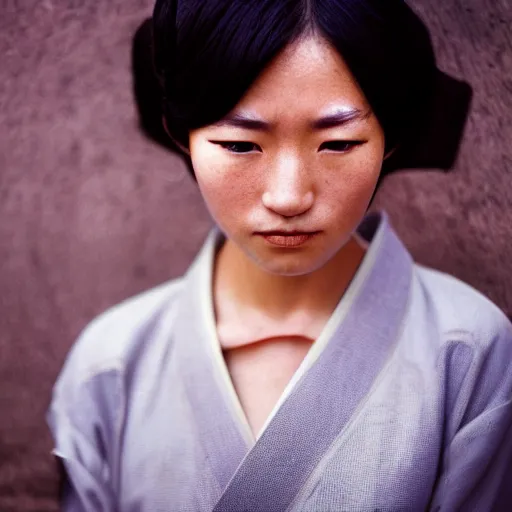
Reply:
x=223, y=429
x=339, y=313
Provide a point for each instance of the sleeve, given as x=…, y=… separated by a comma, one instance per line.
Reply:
x=79, y=417
x=85, y=485
x=476, y=470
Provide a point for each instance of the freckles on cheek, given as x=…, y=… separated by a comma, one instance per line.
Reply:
x=364, y=173
x=350, y=184
x=227, y=193
x=348, y=192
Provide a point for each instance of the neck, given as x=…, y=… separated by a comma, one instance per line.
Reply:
x=302, y=302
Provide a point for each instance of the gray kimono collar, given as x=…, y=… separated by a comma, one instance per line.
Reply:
x=267, y=474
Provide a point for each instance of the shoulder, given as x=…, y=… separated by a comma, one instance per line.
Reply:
x=111, y=341
x=467, y=338
x=456, y=307
x=90, y=394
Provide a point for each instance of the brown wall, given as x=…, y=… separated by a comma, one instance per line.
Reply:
x=92, y=212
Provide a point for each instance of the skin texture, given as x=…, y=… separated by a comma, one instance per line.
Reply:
x=272, y=302
x=292, y=177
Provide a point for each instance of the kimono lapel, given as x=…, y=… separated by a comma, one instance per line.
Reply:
x=220, y=424
x=327, y=395
x=267, y=474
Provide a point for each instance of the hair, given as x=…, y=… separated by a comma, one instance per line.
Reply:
x=207, y=53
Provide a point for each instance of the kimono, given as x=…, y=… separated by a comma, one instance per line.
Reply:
x=403, y=403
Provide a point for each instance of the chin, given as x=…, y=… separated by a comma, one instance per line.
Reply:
x=290, y=266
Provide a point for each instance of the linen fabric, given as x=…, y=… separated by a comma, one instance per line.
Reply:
x=403, y=403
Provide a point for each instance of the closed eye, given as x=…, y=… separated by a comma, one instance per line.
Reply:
x=340, y=146
x=237, y=146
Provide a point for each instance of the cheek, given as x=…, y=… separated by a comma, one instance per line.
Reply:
x=226, y=189
x=353, y=180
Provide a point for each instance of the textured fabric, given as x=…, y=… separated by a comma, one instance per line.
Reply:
x=407, y=407
x=92, y=212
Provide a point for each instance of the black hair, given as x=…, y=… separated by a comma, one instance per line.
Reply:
x=207, y=53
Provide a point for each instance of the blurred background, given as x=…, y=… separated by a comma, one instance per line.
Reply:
x=92, y=210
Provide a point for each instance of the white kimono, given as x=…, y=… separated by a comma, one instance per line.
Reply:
x=403, y=403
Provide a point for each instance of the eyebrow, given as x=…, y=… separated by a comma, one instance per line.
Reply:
x=341, y=118
x=244, y=121
x=336, y=119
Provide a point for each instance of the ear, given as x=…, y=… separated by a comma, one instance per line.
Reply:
x=179, y=145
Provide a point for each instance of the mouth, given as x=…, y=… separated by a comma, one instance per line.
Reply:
x=287, y=238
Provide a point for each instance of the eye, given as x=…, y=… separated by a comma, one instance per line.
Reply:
x=340, y=146
x=237, y=147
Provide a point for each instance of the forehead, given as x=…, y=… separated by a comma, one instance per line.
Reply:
x=306, y=79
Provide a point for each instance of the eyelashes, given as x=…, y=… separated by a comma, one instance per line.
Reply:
x=340, y=146
x=241, y=147
x=238, y=147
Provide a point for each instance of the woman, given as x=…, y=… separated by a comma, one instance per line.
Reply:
x=304, y=362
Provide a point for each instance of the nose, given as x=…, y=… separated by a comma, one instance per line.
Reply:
x=289, y=191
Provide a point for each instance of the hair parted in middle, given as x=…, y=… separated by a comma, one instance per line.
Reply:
x=207, y=53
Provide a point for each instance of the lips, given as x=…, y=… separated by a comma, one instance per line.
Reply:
x=288, y=238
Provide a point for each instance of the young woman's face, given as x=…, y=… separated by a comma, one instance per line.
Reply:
x=289, y=173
